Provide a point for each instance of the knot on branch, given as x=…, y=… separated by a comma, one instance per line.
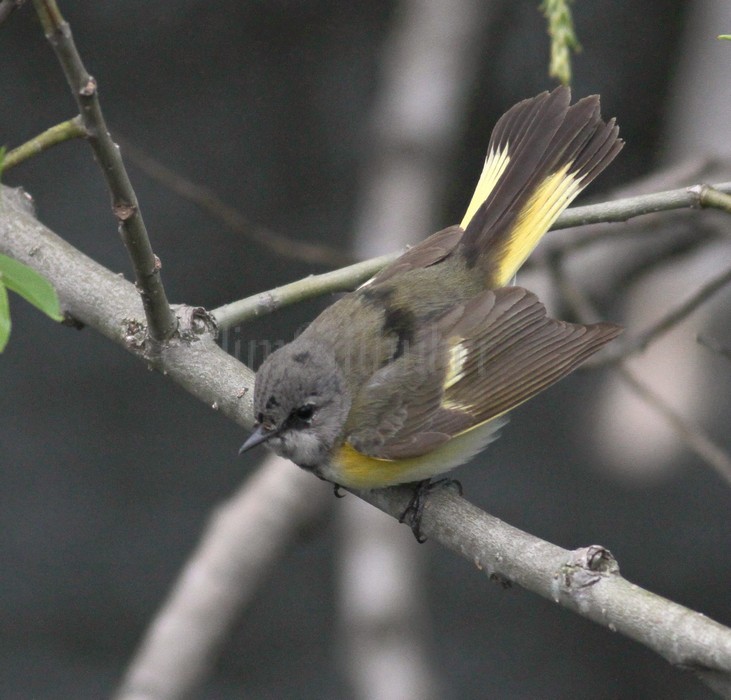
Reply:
x=135, y=333
x=123, y=211
x=193, y=322
x=88, y=88
x=585, y=568
x=23, y=199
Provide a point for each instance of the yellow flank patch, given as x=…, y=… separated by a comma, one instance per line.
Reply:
x=355, y=470
x=494, y=167
x=457, y=357
x=361, y=471
x=554, y=194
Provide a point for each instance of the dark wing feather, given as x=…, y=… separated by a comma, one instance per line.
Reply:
x=515, y=352
x=477, y=362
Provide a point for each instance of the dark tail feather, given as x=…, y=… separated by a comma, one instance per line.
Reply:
x=542, y=153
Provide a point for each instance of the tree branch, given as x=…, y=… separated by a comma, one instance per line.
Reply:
x=210, y=202
x=7, y=7
x=712, y=197
x=313, y=286
x=585, y=581
x=624, y=349
x=244, y=538
x=70, y=129
x=624, y=209
x=103, y=300
x=160, y=318
x=692, y=436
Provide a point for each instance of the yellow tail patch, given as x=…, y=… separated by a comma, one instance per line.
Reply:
x=553, y=195
x=492, y=171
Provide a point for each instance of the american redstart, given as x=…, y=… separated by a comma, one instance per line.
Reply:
x=410, y=375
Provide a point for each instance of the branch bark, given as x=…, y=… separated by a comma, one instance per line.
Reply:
x=586, y=581
x=96, y=297
x=65, y=131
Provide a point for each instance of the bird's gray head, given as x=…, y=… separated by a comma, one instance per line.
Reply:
x=301, y=402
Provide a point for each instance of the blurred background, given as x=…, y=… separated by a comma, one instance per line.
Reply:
x=292, y=112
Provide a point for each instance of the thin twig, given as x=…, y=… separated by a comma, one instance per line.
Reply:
x=97, y=297
x=678, y=244
x=65, y=131
x=622, y=350
x=7, y=7
x=692, y=436
x=624, y=209
x=210, y=202
x=340, y=280
x=316, y=285
x=585, y=581
x=384, y=633
x=709, y=196
x=714, y=346
x=160, y=319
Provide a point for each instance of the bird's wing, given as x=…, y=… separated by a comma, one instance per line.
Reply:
x=429, y=252
x=473, y=364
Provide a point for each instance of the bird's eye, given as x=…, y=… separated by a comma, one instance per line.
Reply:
x=305, y=412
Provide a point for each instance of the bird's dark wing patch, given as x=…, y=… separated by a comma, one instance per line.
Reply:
x=475, y=363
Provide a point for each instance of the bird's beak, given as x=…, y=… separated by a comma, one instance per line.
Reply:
x=256, y=438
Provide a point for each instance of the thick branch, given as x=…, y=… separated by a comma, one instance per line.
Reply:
x=244, y=538
x=585, y=581
x=101, y=299
x=160, y=319
x=205, y=198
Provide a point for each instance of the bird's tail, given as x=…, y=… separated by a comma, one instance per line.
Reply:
x=542, y=153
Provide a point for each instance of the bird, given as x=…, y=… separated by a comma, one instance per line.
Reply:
x=413, y=373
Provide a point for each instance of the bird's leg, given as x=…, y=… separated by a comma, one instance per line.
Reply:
x=414, y=511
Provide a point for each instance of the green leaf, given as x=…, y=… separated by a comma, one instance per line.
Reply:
x=4, y=317
x=33, y=287
x=725, y=36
